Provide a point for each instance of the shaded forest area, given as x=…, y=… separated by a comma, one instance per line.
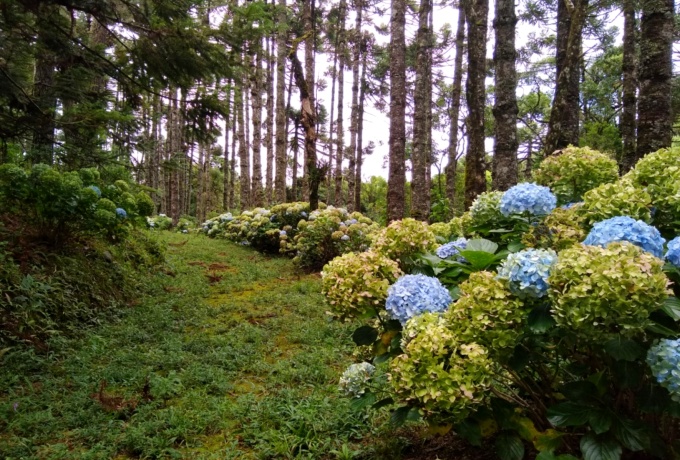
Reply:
x=218, y=106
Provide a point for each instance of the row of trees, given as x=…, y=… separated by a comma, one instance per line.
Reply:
x=199, y=96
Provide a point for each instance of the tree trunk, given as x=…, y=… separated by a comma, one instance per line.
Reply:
x=340, y=153
x=310, y=31
x=655, y=123
x=504, y=169
x=269, y=124
x=628, y=122
x=232, y=163
x=280, y=179
x=477, y=12
x=225, y=169
x=331, y=124
x=200, y=202
x=42, y=145
x=354, y=117
x=244, y=160
x=564, y=116
x=360, y=126
x=257, y=193
x=454, y=112
x=420, y=157
x=396, y=184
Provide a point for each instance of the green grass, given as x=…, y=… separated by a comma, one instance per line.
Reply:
x=229, y=355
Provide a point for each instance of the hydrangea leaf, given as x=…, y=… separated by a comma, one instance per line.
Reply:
x=481, y=244
x=365, y=335
x=509, y=447
x=540, y=319
x=569, y=414
x=622, y=349
x=595, y=447
x=672, y=308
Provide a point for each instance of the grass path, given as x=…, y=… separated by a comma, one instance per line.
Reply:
x=229, y=356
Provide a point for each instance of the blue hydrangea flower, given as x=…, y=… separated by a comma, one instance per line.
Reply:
x=355, y=379
x=344, y=237
x=303, y=214
x=283, y=233
x=413, y=295
x=120, y=212
x=571, y=205
x=673, y=251
x=624, y=228
x=663, y=359
x=451, y=249
x=528, y=197
x=527, y=272
x=96, y=189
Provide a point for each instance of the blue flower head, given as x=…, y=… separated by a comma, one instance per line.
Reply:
x=527, y=272
x=283, y=233
x=571, y=205
x=451, y=249
x=624, y=228
x=344, y=237
x=96, y=189
x=528, y=197
x=120, y=212
x=663, y=359
x=413, y=295
x=673, y=251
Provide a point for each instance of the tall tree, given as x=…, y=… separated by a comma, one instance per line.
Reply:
x=256, y=86
x=505, y=110
x=281, y=38
x=454, y=111
x=656, y=71
x=397, y=144
x=244, y=160
x=563, y=127
x=360, y=125
x=339, y=156
x=420, y=191
x=630, y=58
x=269, y=122
x=228, y=180
x=354, y=117
x=476, y=12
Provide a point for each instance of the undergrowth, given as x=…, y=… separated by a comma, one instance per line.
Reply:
x=229, y=356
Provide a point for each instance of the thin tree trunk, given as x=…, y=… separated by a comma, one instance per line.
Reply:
x=354, y=117
x=310, y=32
x=176, y=145
x=42, y=145
x=477, y=12
x=360, y=127
x=200, y=202
x=225, y=169
x=454, y=112
x=232, y=163
x=244, y=161
x=269, y=124
x=280, y=178
x=504, y=166
x=256, y=98
x=655, y=123
x=340, y=153
x=396, y=184
x=563, y=127
x=420, y=193
x=628, y=122
x=329, y=189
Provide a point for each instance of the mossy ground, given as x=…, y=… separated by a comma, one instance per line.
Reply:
x=229, y=355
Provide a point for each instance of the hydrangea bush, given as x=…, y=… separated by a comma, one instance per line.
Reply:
x=574, y=171
x=527, y=198
x=673, y=251
x=414, y=295
x=625, y=228
x=451, y=249
x=664, y=360
x=527, y=271
x=616, y=199
x=356, y=377
x=403, y=239
x=562, y=228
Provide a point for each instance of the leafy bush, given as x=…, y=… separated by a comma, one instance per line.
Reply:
x=355, y=285
x=484, y=214
x=616, y=199
x=574, y=171
x=159, y=222
x=403, y=239
x=441, y=230
x=561, y=229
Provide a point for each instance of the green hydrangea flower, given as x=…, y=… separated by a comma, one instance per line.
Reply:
x=355, y=285
x=574, y=171
x=485, y=211
x=561, y=229
x=617, y=199
x=441, y=229
x=597, y=290
x=404, y=238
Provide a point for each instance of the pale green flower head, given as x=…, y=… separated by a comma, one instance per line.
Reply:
x=617, y=199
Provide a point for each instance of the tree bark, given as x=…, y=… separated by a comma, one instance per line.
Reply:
x=269, y=124
x=563, y=127
x=396, y=183
x=504, y=166
x=257, y=194
x=280, y=179
x=226, y=205
x=331, y=124
x=310, y=32
x=360, y=126
x=420, y=192
x=354, y=117
x=628, y=122
x=656, y=71
x=340, y=152
x=244, y=176
x=477, y=12
x=454, y=112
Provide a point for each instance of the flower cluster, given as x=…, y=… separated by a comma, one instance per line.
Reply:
x=96, y=190
x=528, y=197
x=441, y=229
x=673, y=251
x=414, y=295
x=610, y=290
x=485, y=211
x=356, y=285
x=121, y=213
x=663, y=359
x=355, y=378
x=403, y=239
x=574, y=171
x=451, y=249
x=617, y=199
x=561, y=229
x=624, y=228
x=527, y=272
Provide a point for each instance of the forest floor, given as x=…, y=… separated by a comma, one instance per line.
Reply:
x=229, y=355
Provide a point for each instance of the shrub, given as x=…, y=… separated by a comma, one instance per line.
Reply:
x=561, y=229
x=527, y=198
x=673, y=251
x=626, y=229
x=527, y=271
x=403, y=239
x=574, y=171
x=441, y=229
x=484, y=213
x=664, y=361
x=606, y=290
x=355, y=285
x=160, y=222
x=355, y=378
x=617, y=199
x=413, y=295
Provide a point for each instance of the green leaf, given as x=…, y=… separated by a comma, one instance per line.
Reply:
x=404, y=413
x=470, y=431
x=393, y=325
x=579, y=391
x=478, y=259
x=365, y=335
x=672, y=308
x=515, y=246
x=623, y=349
x=363, y=401
x=383, y=402
x=661, y=330
x=569, y=414
x=551, y=456
x=519, y=359
x=595, y=447
x=509, y=447
x=481, y=245
x=455, y=293
x=382, y=358
x=540, y=319
x=633, y=435
x=600, y=421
